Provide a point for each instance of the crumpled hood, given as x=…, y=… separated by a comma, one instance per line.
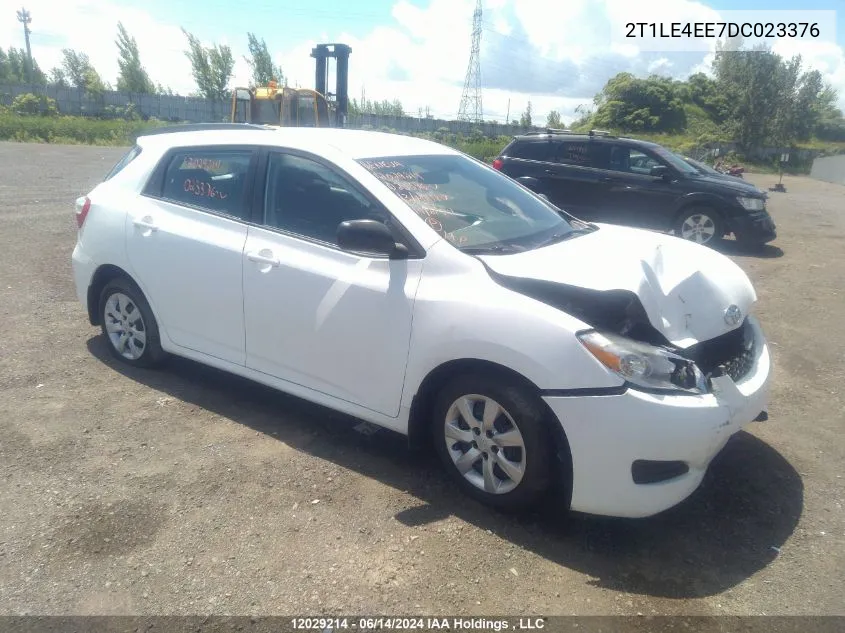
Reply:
x=684, y=288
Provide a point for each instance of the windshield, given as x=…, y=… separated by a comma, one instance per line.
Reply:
x=267, y=111
x=703, y=167
x=673, y=159
x=474, y=207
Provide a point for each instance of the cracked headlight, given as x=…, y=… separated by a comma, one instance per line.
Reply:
x=644, y=365
x=752, y=204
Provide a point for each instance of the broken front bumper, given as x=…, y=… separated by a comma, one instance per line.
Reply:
x=608, y=435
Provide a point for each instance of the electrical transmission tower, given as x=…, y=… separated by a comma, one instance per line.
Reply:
x=25, y=18
x=470, y=109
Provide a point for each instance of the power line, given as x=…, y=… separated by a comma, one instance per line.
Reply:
x=470, y=108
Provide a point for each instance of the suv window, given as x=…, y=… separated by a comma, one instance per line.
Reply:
x=309, y=199
x=531, y=150
x=213, y=179
x=128, y=157
x=631, y=160
x=573, y=153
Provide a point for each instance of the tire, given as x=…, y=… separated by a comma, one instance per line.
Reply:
x=701, y=225
x=123, y=308
x=520, y=411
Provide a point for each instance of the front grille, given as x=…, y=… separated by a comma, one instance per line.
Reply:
x=732, y=352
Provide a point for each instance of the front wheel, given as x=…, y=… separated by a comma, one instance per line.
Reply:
x=492, y=438
x=700, y=225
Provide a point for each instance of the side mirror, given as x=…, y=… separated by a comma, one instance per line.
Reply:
x=660, y=171
x=369, y=236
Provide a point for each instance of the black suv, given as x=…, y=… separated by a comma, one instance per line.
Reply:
x=603, y=178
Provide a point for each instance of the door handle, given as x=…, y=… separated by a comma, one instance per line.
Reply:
x=145, y=223
x=263, y=259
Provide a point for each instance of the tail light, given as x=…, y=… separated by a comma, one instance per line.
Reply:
x=498, y=164
x=83, y=205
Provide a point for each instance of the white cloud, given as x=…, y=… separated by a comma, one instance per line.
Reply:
x=557, y=55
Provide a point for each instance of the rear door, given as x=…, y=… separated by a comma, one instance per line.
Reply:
x=185, y=238
x=528, y=159
x=630, y=194
x=571, y=178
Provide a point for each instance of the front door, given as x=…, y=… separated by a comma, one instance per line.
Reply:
x=330, y=320
x=631, y=194
x=185, y=241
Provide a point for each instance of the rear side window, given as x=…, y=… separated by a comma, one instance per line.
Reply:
x=531, y=151
x=128, y=157
x=573, y=153
x=211, y=179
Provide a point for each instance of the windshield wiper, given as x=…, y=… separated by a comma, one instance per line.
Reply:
x=560, y=237
x=496, y=248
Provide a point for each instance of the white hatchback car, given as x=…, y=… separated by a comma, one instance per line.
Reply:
x=411, y=286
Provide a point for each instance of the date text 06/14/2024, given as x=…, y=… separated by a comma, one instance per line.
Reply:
x=417, y=623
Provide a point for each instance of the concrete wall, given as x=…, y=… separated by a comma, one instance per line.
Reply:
x=829, y=169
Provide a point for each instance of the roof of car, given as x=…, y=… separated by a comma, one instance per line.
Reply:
x=539, y=137
x=354, y=143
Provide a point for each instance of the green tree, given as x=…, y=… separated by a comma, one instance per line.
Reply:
x=58, y=78
x=80, y=73
x=553, y=120
x=525, y=118
x=211, y=67
x=633, y=104
x=13, y=67
x=131, y=77
x=261, y=63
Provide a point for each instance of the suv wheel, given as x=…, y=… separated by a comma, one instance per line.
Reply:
x=492, y=438
x=128, y=325
x=700, y=225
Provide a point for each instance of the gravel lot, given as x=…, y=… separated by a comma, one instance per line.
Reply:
x=189, y=491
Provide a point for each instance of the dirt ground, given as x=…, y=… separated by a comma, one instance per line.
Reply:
x=189, y=491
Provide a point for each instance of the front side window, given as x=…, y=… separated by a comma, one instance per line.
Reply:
x=631, y=160
x=307, y=198
x=474, y=207
x=209, y=178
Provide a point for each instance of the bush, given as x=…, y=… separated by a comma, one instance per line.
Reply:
x=30, y=104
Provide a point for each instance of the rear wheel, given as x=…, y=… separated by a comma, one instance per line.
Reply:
x=492, y=438
x=128, y=324
x=699, y=224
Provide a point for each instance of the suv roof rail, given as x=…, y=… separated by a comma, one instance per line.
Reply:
x=551, y=131
x=200, y=127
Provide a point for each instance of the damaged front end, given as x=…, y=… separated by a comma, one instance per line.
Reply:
x=626, y=342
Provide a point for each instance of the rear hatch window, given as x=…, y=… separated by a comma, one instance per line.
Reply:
x=131, y=155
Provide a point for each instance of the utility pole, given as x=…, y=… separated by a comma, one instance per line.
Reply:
x=25, y=18
x=508, y=115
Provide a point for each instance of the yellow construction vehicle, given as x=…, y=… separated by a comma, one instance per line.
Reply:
x=287, y=107
x=298, y=107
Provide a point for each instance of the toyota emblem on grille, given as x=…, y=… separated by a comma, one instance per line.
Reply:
x=733, y=315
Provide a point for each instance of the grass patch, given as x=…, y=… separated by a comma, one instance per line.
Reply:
x=72, y=130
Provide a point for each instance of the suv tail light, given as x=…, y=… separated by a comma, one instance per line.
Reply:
x=83, y=205
x=498, y=163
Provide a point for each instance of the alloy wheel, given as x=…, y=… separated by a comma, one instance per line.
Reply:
x=485, y=444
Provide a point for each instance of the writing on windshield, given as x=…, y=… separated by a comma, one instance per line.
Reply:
x=465, y=202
